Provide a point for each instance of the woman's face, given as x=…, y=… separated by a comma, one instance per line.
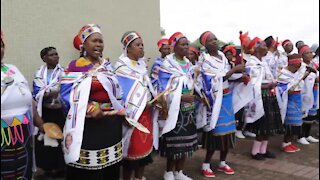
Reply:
x=68, y=140
x=307, y=56
x=229, y=55
x=263, y=50
x=191, y=56
x=296, y=66
x=212, y=42
x=93, y=46
x=136, y=49
x=2, y=50
x=51, y=58
x=289, y=47
x=182, y=47
x=165, y=50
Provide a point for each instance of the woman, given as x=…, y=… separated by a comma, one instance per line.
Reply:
x=193, y=54
x=263, y=111
x=245, y=55
x=16, y=122
x=230, y=53
x=310, y=110
x=221, y=127
x=200, y=105
x=290, y=85
x=92, y=99
x=45, y=92
x=164, y=49
x=179, y=133
x=137, y=89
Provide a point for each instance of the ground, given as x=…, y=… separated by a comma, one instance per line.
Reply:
x=301, y=165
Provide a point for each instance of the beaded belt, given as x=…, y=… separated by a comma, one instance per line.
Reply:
x=296, y=92
x=12, y=130
x=98, y=159
x=103, y=106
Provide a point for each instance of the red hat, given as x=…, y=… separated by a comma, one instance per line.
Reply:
x=294, y=58
x=162, y=42
x=230, y=48
x=244, y=39
x=303, y=49
x=195, y=50
x=77, y=42
x=175, y=38
x=203, y=37
x=285, y=42
x=255, y=42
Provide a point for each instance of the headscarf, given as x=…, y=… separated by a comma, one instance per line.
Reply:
x=255, y=43
x=303, y=49
x=204, y=36
x=194, y=49
x=244, y=39
x=230, y=48
x=76, y=42
x=84, y=33
x=294, y=58
x=285, y=42
x=175, y=38
x=162, y=42
x=128, y=37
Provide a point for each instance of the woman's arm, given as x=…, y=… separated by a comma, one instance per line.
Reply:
x=38, y=121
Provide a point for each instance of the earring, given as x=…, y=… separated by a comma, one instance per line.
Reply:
x=84, y=53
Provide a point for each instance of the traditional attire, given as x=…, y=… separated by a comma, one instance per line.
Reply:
x=16, y=125
x=154, y=75
x=310, y=98
x=263, y=111
x=272, y=60
x=178, y=133
x=92, y=147
x=221, y=124
x=82, y=86
x=290, y=105
x=137, y=92
x=46, y=81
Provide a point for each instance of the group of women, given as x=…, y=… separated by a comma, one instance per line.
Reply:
x=114, y=116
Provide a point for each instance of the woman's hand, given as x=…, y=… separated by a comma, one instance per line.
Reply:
x=95, y=114
x=239, y=68
x=272, y=85
x=290, y=91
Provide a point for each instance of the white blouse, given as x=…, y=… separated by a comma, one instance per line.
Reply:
x=17, y=98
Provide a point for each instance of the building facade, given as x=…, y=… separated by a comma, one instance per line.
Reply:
x=31, y=25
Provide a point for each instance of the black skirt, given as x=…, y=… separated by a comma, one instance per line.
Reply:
x=310, y=119
x=134, y=164
x=240, y=119
x=182, y=140
x=47, y=157
x=270, y=123
x=17, y=159
x=108, y=173
x=292, y=130
x=221, y=143
x=98, y=134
